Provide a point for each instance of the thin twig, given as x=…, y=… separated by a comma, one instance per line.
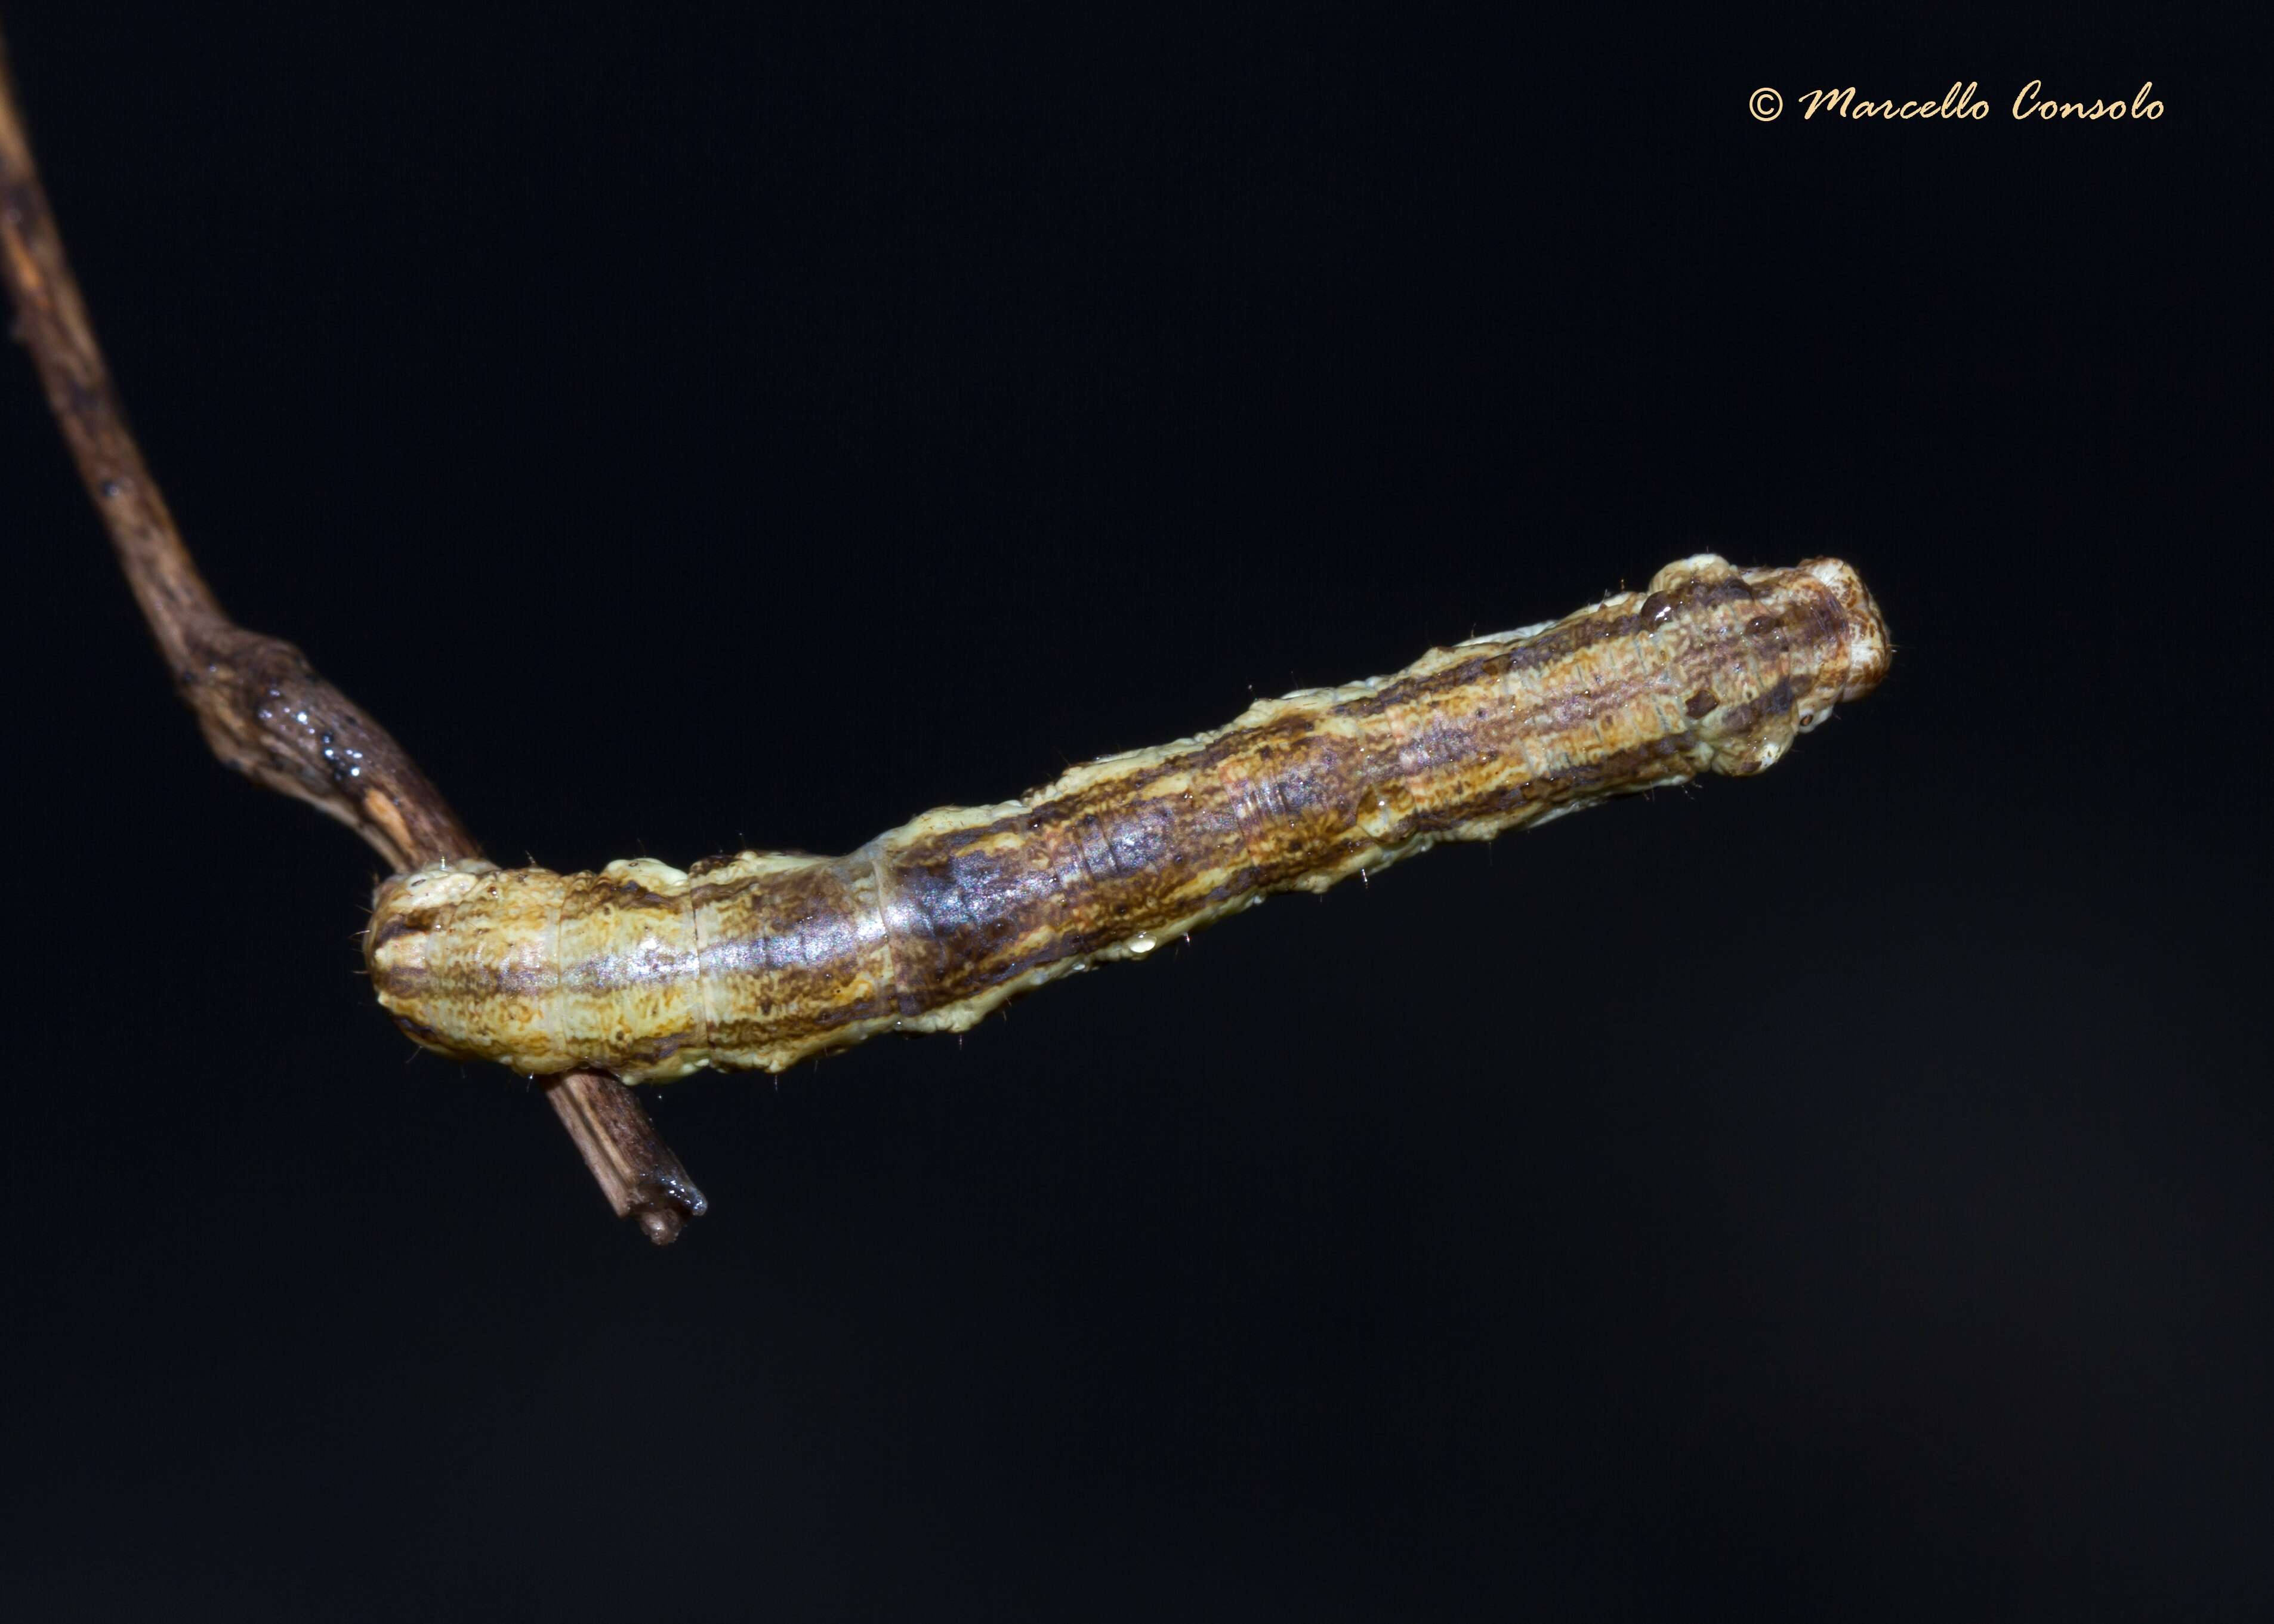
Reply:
x=263, y=708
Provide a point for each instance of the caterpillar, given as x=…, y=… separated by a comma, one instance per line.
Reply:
x=757, y=960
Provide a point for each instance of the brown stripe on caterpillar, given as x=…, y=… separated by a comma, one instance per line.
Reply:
x=757, y=960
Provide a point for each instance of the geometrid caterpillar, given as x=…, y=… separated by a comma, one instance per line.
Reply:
x=757, y=960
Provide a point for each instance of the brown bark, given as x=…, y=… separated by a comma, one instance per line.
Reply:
x=264, y=710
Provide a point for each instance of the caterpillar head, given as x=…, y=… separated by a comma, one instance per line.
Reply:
x=1860, y=650
x=1778, y=649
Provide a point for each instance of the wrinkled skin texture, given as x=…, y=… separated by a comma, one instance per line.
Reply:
x=758, y=961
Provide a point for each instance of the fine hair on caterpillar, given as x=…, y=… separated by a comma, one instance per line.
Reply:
x=757, y=960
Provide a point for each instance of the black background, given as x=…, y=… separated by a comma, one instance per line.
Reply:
x=1849, y=1191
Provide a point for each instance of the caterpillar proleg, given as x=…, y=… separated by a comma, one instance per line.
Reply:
x=757, y=960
